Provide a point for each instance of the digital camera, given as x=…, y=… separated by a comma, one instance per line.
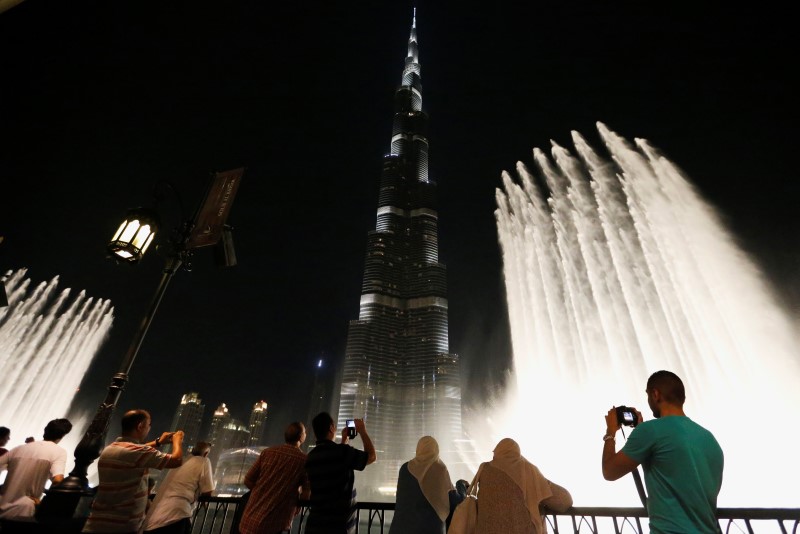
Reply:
x=627, y=416
x=351, y=428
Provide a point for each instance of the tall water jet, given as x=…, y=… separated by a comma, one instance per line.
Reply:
x=616, y=268
x=47, y=343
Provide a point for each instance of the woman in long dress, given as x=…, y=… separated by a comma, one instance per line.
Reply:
x=422, y=503
x=511, y=492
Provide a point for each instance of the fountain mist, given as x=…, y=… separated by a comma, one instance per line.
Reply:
x=47, y=343
x=621, y=269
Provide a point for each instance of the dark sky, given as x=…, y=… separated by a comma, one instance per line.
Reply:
x=99, y=101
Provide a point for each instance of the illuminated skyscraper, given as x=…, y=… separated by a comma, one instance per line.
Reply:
x=220, y=418
x=258, y=420
x=399, y=375
x=189, y=418
x=233, y=435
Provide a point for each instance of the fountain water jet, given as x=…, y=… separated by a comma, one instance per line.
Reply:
x=622, y=269
x=47, y=343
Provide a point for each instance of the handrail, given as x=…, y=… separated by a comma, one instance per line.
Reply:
x=216, y=515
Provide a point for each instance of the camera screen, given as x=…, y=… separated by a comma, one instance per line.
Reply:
x=628, y=416
x=351, y=423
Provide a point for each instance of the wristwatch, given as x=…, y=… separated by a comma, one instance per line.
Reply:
x=157, y=443
x=608, y=437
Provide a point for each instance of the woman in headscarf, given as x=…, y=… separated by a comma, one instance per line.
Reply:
x=422, y=502
x=512, y=491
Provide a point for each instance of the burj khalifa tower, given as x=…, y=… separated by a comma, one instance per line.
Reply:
x=399, y=374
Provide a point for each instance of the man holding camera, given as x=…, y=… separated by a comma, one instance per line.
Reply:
x=330, y=472
x=682, y=461
x=121, y=500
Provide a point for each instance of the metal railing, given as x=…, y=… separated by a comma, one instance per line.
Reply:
x=218, y=515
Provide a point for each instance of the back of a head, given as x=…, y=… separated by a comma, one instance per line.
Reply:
x=507, y=448
x=670, y=386
x=427, y=447
x=322, y=425
x=294, y=432
x=132, y=419
x=57, y=429
x=4, y=432
x=200, y=448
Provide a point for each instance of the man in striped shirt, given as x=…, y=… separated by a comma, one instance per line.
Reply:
x=330, y=468
x=121, y=500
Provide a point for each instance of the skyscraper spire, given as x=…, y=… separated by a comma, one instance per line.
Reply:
x=412, y=39
x=399, y=375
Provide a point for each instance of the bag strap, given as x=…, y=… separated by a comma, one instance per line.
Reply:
x=473, y=485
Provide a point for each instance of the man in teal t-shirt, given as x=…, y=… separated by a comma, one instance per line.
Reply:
x=682, y=461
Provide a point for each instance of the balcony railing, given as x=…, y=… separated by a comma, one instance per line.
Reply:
x=218, y=515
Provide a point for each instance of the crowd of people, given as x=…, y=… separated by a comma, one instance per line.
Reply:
x=682, y=463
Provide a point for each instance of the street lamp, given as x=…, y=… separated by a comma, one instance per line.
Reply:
x=134, y=235
x=128, y=245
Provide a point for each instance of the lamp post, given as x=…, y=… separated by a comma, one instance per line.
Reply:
x=128, y=245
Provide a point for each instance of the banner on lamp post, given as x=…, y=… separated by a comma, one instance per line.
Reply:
x=211, y=217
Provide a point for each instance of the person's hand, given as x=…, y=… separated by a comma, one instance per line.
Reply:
x=360, y=428
x=345, y=435
x=638, y=416
x=177, y=438
x=165, y=437
x=612, y=425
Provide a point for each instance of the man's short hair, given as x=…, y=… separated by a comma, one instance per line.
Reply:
x=670, y=386
x=4, y=432
x=132, y=419
x=293, y=432
x=200, y=448
x=322, y=425
x=57, y=429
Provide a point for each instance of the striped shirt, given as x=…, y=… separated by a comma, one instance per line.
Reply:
x=121, y=499
x=333, y=497
x=275, y=479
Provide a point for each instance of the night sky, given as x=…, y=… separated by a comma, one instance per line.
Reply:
x=100, y=101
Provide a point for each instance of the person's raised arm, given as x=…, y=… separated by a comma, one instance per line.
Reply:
x=369, y=448
x=176, y=455
x=616, y=464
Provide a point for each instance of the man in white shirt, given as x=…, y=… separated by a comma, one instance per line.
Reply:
x=29, y=467
x=177, y=494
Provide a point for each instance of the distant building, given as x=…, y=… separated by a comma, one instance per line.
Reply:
x=258, y=420
x=220, y=418
x=231, y=469
x=321, y=398
x=399, y=374
x=189, y=418
x=233, y=436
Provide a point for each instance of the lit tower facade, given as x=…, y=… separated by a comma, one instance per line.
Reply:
x=219, y=420
x=258, y=420
x=232, y=435
x=189, y=418
x=399, y=375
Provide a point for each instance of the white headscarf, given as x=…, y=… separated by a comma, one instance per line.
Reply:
x=535, y=488
x=432, y=475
